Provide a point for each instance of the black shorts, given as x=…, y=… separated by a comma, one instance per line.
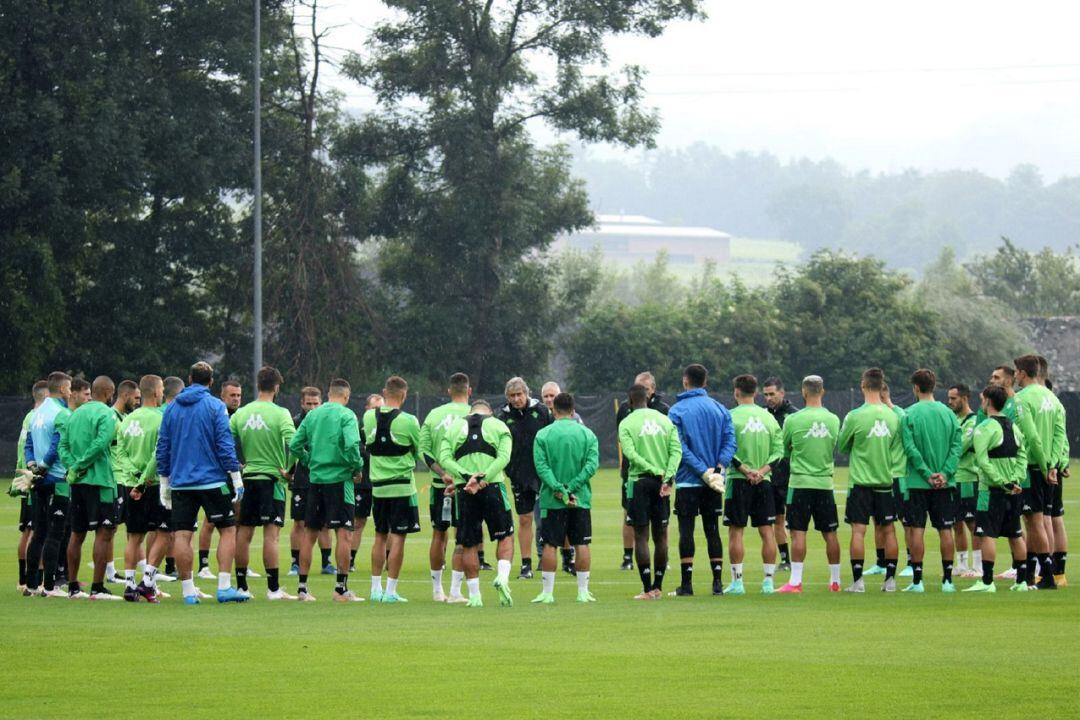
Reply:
x=524, y=501
x=746, y=502
x=298, y=503
x=779, y=491
x=330, y=505
x=900, y=503
x=26, y=514
x=1057, y=503
x=645, y=506
x=363, y=491
x=1039, y=495
x=435, y=508
x=622, y=492
x=216, y=502
x=49, y=511
x=939, y=505
x=490, y=507
x=146, y=514
x=998, y=514
x=806, y=504
x=573, y=524
x=967, y=502
x=396, y=515
x=865, y=503
x=698, y=500
x=93, y=507
x=259, y=506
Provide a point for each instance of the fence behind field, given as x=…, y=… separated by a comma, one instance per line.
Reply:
x=597, y=412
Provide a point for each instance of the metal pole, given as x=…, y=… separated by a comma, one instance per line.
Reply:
x=257, y=280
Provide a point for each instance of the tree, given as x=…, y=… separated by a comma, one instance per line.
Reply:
x=1032, y=284
x=466, y=200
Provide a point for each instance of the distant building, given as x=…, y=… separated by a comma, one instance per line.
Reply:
x=629, y=238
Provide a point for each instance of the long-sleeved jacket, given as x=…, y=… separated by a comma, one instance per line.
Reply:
x=999, y=451
x=524, y=424
x=782, y=469
x=328, y=443
x=932, y=442
x=567, y=455
x=195, y=449
x=43, y=440
x=651, y=442
x=656, y=402
x=86, y=444
x=706, y=433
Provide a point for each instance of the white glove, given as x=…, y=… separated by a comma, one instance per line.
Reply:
x=238, y=484
x=164, y=491
x=22, y=482
x=716, y=481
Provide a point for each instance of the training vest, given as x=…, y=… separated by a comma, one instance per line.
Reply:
x=474, y=441
x=383, y=444
x=1007, y=448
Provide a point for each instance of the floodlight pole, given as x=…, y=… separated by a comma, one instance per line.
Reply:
x=257, y=330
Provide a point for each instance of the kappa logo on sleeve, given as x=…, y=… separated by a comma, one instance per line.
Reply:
x=880, y=430
x=255, y=422
x=650, y=428
x=818, y=430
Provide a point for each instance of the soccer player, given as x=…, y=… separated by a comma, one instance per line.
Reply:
x=749, y=494
x=779, y=407
x=547, y=394
x=50, y=493
x=870, y=435
x=1042, y=424
x=230, y=394
x=392, y=437
x=299, y=484
x=899, y=497
x=657, y=403
x=525, y=416
x=650, y=442
x=80, y=393
x=40, y=393
x=967, y=483
x=262, y=430
x=86, y=451
x=1001, y=466
x=475, y=452
x=442, y=505
x=707, y=439
x=173, y=387
x=328, y=443
x=566, y=454
x=364, y=497
x=1055, y=512
x=196, y=461
x=128, y=398
x=809, y=441
x=932, y=442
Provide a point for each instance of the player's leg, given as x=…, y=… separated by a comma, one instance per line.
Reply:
x=132, y=551
x=832, y=555
x=943, y=515
x=644, y=560
x=736, y=553
x=218, y=506
x=495, y=506
x=548, y=563
x=244, y=534
x=1061, y=549
x=394, y=561
x=798, y=522
x=206, y=537
x=763, y=517
x=440, y=515
x=39, y=525
x=270, y=555
x=579, y=534
x=660, y=555
x=780, y=526
x=307, y=549
x=326, y=545
x=524, y=504
x=74, y=559
x=341, y=556
x=960, y=539
x=628, y=541
x=686, y=511
x=103, y=551
x=711, y=508
x=948, y=551
x=182, y=553
x=856, y=553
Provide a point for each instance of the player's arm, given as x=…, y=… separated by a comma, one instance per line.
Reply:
x=674, y=454
x=543, y=468
x=223, y=442
x=985, y=439
x=52, y=454
x=591, y=465
x=686, y=453
x=350, y=441
x=63, y=452
x=1059, y=453
x=287, y=431
x=1036, y=451
x=28, y=449
x=786, y=440
x=626, y=440
x=298, y=446
x=846, y=440
x=776, y=446
x=915, y=457
x=163, y=450
x=504, y=449
x=728, y=443
x=427, y=450
x=446, y=450
x=413, y=433
x=956, y=446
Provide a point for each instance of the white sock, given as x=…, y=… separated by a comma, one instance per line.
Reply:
x=976, y=560
x=110, y=569
x=149, y=577
x=140, y=566
x=224, y=581
x=834, y=573
x=376, y=583
x=188, y=587
x=582, y=580
x=548, y=580
x=796, y=573
x=436, y=581
x=502, y=571
x=456, y=576
x=961, y=562
x=770, y=569
x=129, y=578
x=474, y=587
x=736, y=571
x=391, y=586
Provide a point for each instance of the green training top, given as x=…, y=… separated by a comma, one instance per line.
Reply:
x=493, y=432
x=870, y=436
x=136, y=446
x=388, y=471
x=262, y=431
x=651, y=444
x=1042, y=423
x=965, y=469
x=566, y=455
x=899, y=456
x=20, y=456
x=932, y=442
x=809, y=441
x=994, y=472
x=435, y=427
x=1008, y=411
x=85, y=444
x=328, y=442
x=758, y=438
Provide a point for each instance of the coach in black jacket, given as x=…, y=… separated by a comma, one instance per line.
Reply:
x=525, y=416
x=779, y=407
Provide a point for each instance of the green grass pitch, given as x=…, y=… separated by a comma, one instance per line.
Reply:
x=818, y=655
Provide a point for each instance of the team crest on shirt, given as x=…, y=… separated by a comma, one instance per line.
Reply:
x=754, y=425
x=650, y=428
x=880, y=430
x=818, y=430
x=255, y=422
x=134, y=429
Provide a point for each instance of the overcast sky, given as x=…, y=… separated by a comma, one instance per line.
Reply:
x=931, y=85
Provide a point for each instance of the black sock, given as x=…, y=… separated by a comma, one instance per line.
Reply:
x=909, y=558
x=302, y=585
x=784, y=553
x=686, y=574
x=856, y=569
x=946, y=571
x=1020, y=567
x=916, y=569
x=627, y=554
x=658, y=579
x=241, y=578
x=988, y=572
x=567, y=556
x=718, y=571
x=342, y=583
x=645, y=573
x=272, y=579
x=1031, y=567
x=295, y=556
x=325, y=556
x=94, y=588
x=204, y=559
x=170, y=566
x=73, y=587
x=352, y=558
x=1046, y=565
x=22, y=571
x=526, y=563
x=880, y=557
x=890, y=568
x=1059, y=563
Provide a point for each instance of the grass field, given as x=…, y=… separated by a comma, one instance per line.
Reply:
x=814, y=655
